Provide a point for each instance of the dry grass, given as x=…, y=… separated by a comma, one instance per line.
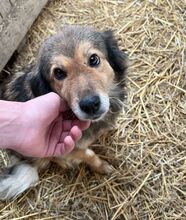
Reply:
x=148, y=147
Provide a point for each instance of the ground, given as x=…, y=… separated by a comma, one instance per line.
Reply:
x=148, y=147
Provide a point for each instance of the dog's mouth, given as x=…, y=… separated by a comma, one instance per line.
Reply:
x=69, y=115
x=90, y=108
x=89, y=117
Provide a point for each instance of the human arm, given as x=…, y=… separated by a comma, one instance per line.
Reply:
x=37, y=128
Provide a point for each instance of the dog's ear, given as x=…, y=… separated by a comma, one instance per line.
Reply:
x=39, y=83
x=117, y=58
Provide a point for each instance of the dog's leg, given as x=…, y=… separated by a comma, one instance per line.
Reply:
x=89, y=157
x=82, y=154
x=17, y=178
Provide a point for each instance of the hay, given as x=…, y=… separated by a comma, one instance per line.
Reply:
x=148, y=147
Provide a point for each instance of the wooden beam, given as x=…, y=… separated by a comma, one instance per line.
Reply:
x=5, y=8
x=16, y=25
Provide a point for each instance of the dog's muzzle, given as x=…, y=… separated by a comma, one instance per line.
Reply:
x=92, y=107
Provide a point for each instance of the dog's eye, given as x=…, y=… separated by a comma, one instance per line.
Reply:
x=59, y=74
x=94, y=60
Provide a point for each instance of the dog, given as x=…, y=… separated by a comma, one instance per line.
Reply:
x=87, y=69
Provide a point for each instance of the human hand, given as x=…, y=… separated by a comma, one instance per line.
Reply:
x=42, y=130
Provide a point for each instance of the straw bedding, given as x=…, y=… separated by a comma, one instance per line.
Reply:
x=148, y=147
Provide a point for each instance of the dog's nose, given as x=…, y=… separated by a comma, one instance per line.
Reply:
x=90, y=104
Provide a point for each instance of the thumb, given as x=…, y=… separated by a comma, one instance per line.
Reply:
x=54, y=99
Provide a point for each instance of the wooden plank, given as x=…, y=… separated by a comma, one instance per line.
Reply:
x=18, y=23
x=12, y=1
x=1, y=19
x=5, y=7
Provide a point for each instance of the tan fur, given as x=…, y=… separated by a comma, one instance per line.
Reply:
x=80, y=155
x=99, y=79
x=104, y=80
x=72, y=92
x=90, y=158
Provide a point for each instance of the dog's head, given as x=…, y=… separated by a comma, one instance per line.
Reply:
x=82, y=65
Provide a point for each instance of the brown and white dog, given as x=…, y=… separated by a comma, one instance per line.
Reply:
x=88, y=70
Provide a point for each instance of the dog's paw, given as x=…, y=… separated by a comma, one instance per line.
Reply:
x=104, y=168
x=4, y=187
x=18, y=178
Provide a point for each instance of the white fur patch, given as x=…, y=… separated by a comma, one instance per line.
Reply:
x=21, y=179
x=104, y=107
x=105, y=104
x=89, y=152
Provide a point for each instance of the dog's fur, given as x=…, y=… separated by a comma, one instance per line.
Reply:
x=70, y=49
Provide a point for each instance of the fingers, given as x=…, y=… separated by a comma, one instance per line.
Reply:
x=65, y=147
x=75, y=133
x=67, y=142
x=82, y=125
